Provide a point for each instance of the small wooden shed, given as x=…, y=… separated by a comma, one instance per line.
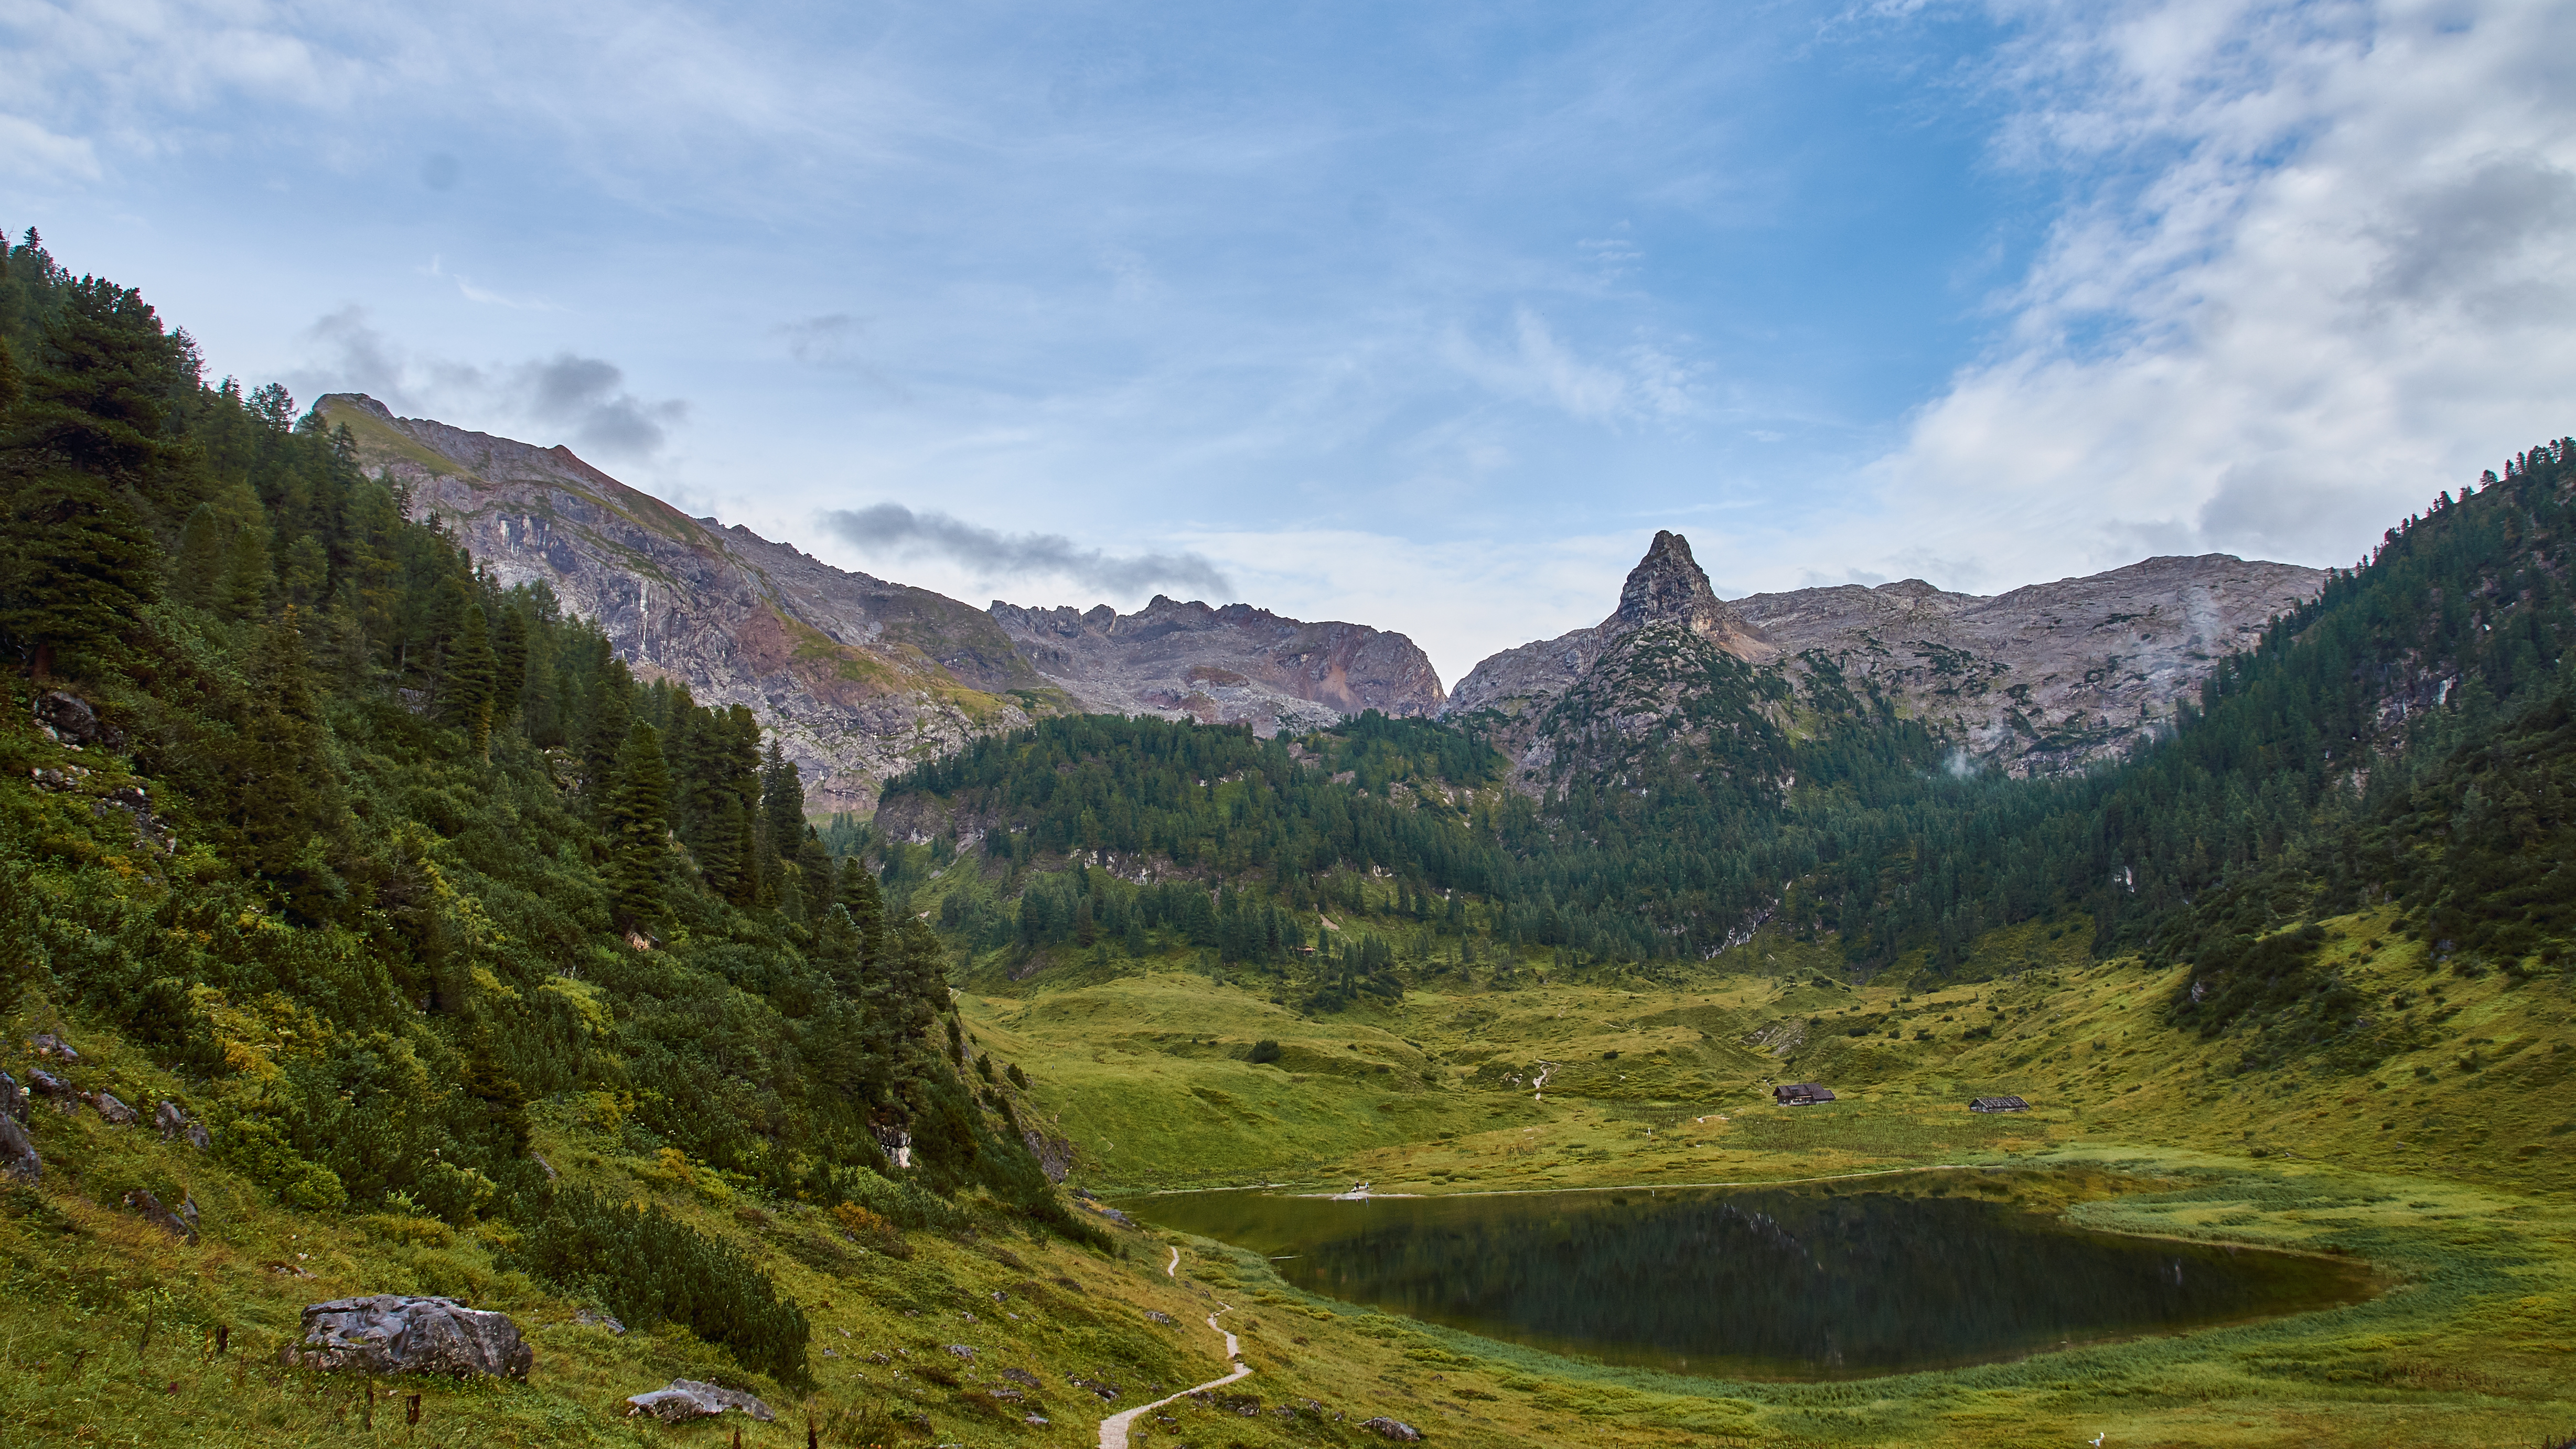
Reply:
x=1801, y=1094
x=1999, y=1104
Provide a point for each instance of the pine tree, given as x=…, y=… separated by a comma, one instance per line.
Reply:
x=638, y=827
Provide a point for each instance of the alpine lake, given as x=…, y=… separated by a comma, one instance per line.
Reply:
x=1775, y=1283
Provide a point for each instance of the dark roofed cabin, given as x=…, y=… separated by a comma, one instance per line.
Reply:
x=1999, y=1104
x=1801, y=1094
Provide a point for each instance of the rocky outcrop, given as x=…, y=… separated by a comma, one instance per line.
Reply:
x=2042, y=680
x=1230, y=665
x=395, y=1334
x=689, y=1399
x=859, y=677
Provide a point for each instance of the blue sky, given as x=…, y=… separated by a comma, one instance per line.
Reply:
x=1425, y=316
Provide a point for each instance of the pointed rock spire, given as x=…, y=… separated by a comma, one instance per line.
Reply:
x=1668, y=584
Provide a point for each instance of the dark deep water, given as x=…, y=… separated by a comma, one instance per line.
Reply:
x=1776, y=1283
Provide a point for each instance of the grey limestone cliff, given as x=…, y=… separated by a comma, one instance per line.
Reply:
x=858, y=676
x=1236, y=664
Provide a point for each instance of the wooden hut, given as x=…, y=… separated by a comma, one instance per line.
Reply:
x=1801, y=1094
x=1999, y=1104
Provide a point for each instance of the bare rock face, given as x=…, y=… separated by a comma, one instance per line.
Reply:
x=859, y=677
x=1230, y=665
x=2049, y=678
x=397, y=1334
x=2042, y=680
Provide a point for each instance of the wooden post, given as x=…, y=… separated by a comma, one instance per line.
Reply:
x=411, y=1411
x=223, y=1339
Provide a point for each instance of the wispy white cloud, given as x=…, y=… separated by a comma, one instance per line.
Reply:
x=2319, y=267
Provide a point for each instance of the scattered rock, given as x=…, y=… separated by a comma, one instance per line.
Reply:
x=962, y=1351
x=117, y=1113
x=65, y=1096
x=149, y=829
x=181, y=1224
x=62, y=779
x=596, y=1319
x=1115, y=1216
x=546, y=1167
x=1107, y=1392
x=287, y=1270
x=397, y=1334
x=175, y=1124
x=1036, y=1421
x=1396, y=1429
x=879, y=1357
x=690, y=1399
x=18, y=1157
x=13, y=1098
x=68, y=718
x=49, y=1045
x=1158, y=1316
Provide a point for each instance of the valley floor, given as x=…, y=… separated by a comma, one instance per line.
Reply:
x=2444, y=1167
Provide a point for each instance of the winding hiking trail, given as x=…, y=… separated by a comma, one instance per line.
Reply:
x=1113, y=1430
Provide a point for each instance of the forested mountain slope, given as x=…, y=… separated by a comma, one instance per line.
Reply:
x=378, y=853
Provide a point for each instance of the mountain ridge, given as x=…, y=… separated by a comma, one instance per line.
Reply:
x=858, y=676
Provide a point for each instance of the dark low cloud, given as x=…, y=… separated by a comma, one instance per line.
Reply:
x=588, y=396
x=990, y=554
x=580, y=400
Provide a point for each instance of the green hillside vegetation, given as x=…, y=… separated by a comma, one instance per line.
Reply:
x=495, y=972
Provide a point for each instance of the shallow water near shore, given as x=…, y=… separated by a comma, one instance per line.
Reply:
x=1772, y=1283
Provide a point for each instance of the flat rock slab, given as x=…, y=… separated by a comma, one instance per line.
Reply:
x=689, y=1399
x=397, y=1334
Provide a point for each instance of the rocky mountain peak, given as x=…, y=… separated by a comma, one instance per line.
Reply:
x=1668, y=585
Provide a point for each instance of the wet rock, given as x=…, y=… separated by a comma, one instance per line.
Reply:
x=181, y=1224
x=18, y=1159
x=1396, y=1429
x=397, y=1334
x=689, y=1399
x=117, y=1113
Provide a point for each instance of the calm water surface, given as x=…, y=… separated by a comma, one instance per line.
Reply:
x=1777, y=1283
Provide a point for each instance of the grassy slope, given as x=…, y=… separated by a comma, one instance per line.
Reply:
x=2462, y=1202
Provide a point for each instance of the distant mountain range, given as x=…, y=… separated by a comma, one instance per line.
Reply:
x=861, y=677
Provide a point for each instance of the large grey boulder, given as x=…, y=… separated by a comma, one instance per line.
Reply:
x=18, y=1157
x=690, y=1399
x=398, y=1334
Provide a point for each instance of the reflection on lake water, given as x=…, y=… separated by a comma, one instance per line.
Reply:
x=1778, y=1283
